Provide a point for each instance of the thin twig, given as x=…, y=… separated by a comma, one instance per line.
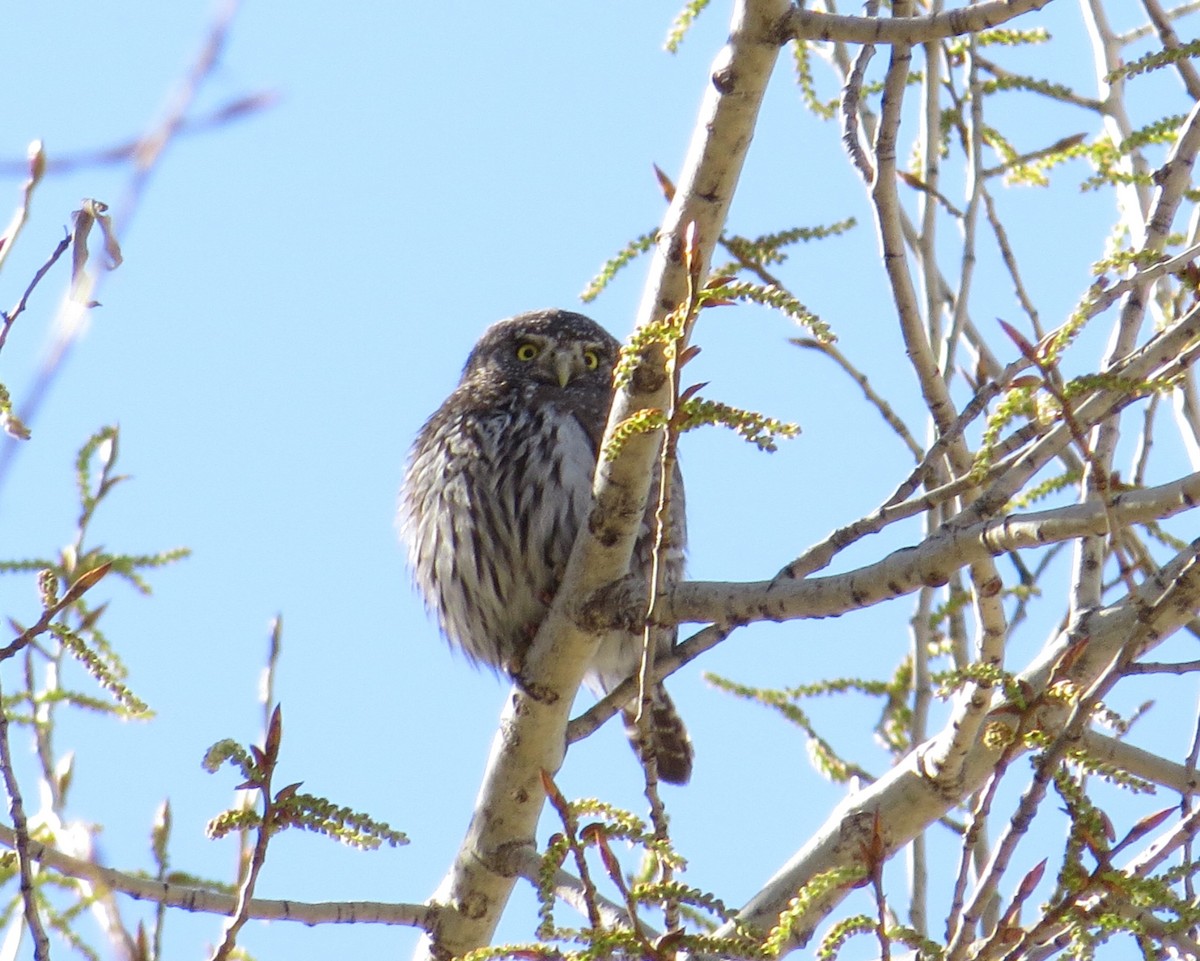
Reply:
x=581, y=895
x=19, y=308
x=1055, y=92
x=1170, y=41
x=35, y=167
x=267, y=759
x=814, y=25
x=588, y=894
x=885, y=410
x=921, y=631
x=590, y=720
x=130, y=150
x=1021, y=160
x=1010, y=263
x=266, y=698
x=196, y=899
x=973, y=144
x=76, y=591
x=1139, y=33
x=1163, y=667
x=852, y=126
x=41, y=943
x=71, y=321
x=1145, y=442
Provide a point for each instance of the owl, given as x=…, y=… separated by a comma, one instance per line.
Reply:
x=499, y=481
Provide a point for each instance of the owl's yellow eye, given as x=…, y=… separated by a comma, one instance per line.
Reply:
x=527, y=351
x=591, y=360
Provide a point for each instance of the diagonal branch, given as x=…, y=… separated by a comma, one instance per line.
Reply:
x=530, y=738
x=814, y=25
x=904, y=801
x=73, y=312
x=730, y=605
x=927, y=564
x=21, y=844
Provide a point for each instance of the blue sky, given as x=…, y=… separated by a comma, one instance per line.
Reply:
x=300, y=290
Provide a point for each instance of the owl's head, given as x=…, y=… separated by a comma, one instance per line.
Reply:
x=556, y=349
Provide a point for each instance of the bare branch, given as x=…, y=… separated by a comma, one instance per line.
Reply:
x=1148, y=28
x=22, y=844
x=876, y=400
x=813, y=25
x=928, y=564
x=267, y=758
x=1170, y=41
x=889, y=224
x=34, y=166
x=530, y=737
x=195, y=899
x=130, y=150
x=1139, y=763
x=19, y=307
x=902, y=802
x=71, y=320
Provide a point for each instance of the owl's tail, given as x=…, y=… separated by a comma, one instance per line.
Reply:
x=667, y=736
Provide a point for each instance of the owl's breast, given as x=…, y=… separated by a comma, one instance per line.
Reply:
x=504, y=494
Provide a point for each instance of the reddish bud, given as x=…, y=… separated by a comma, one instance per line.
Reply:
x=664, y=183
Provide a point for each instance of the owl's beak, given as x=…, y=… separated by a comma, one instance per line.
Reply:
x=564, y=368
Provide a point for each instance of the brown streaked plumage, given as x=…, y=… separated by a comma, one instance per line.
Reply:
x=498, y=483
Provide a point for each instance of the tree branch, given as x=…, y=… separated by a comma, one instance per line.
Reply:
x=928, y=564
x=73, y=312
x=904, y=801
x=530, y=738
x=813, y=25
x=22, y=845
x=731, y=605
x=205, y=901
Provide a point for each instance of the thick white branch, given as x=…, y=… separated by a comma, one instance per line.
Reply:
x=531, y=737
x=890, y=812
x=814, y=25
x=1143, y=764
x=928, y=564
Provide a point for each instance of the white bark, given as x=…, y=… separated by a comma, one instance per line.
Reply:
x=530, y=739
x=908, y=798
x=928, y=564
x=814, y=25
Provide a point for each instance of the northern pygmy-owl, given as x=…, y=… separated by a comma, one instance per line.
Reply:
x=498, y=483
